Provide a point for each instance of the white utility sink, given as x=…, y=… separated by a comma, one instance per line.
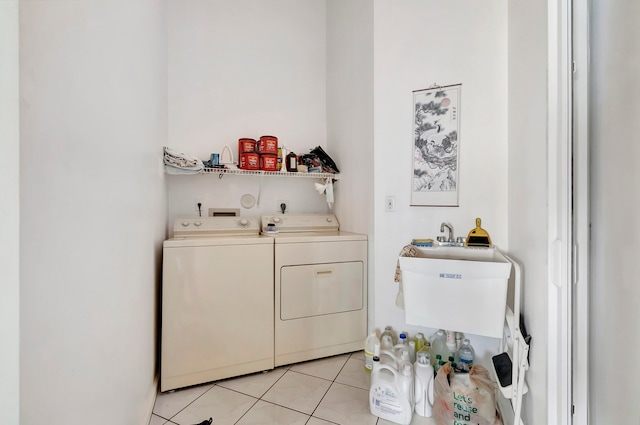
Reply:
x=456, y=288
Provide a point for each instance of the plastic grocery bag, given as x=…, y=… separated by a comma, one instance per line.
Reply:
x=465, y=398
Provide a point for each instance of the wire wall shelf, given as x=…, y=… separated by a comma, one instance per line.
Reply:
x=236, y=171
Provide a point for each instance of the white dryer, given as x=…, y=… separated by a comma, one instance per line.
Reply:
x=217, y=301
x=320, y=287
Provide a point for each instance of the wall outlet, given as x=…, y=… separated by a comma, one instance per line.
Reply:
x=199, y=200
x=390, y=203
x=279, y=205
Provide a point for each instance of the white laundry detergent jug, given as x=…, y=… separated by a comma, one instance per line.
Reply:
x=388, y=358
x=391, y=393
x=424, y=385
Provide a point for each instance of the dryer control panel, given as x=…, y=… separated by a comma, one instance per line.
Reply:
x=215, y=226
x=285, y=223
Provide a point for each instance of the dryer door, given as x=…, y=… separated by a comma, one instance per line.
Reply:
x=320, y=289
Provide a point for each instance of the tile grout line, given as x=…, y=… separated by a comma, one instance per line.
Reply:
x=332, y=382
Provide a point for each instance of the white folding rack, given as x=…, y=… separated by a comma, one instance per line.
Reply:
x=513, y=343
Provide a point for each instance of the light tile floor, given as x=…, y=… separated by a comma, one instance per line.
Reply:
x=333, y=390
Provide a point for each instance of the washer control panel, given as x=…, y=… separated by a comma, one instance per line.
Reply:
x=215, y=226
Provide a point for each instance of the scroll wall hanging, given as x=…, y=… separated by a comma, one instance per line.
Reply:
x=436, y=146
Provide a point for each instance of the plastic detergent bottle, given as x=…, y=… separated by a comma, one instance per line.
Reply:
x=369, y=350
x=466, y=354
x=390, y=394
x=407, y=384
x=388, y=358
x=424, y=378
x=419, y=341
x=412, y=351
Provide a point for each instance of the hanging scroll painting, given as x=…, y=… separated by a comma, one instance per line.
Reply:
x=436, y=146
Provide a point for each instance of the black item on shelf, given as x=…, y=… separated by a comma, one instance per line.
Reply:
x=317, y=157
x=502, y=364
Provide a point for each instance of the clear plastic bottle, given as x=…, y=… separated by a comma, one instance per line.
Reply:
x=466, y=354
x=283, y=163
x=438, y=346
x=369, y=350
x=386, y=342
x=402, y=346
x=388, y=330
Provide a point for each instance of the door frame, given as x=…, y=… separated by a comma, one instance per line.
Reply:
x=560, y=223
x=581, y=212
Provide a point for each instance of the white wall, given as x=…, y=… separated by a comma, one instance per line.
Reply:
x=527, y=162
x=9, y=214
x=350, y=109
x=245, y=69
x=93, y=121
x=350, y=116
x=416, y=44
x=615, y=203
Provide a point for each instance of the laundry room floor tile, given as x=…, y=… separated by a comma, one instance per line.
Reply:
x=329, y=391
x=157, y=420
x=225, y=405
x=416, y=420
x=264, y=413
x=169, y=403
x=353, y=374
x=256, y=384
x=327, y=368
x=298, y=391
x=344, y=404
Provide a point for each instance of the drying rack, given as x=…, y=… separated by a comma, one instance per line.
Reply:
x=514, y=344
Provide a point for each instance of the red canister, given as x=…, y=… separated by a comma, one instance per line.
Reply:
x=246, y=145
x=268, y=145
x=249, y=161
x=269, y=162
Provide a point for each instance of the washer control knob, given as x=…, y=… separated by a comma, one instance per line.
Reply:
x=243, y=222
x=185, y=223
x=276, y=219
x=197, y=223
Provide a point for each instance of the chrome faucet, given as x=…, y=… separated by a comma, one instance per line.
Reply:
x=450, y=241
x=448, y=226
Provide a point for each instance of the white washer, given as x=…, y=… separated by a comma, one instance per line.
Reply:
x=217, y=301
x=320, y=287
